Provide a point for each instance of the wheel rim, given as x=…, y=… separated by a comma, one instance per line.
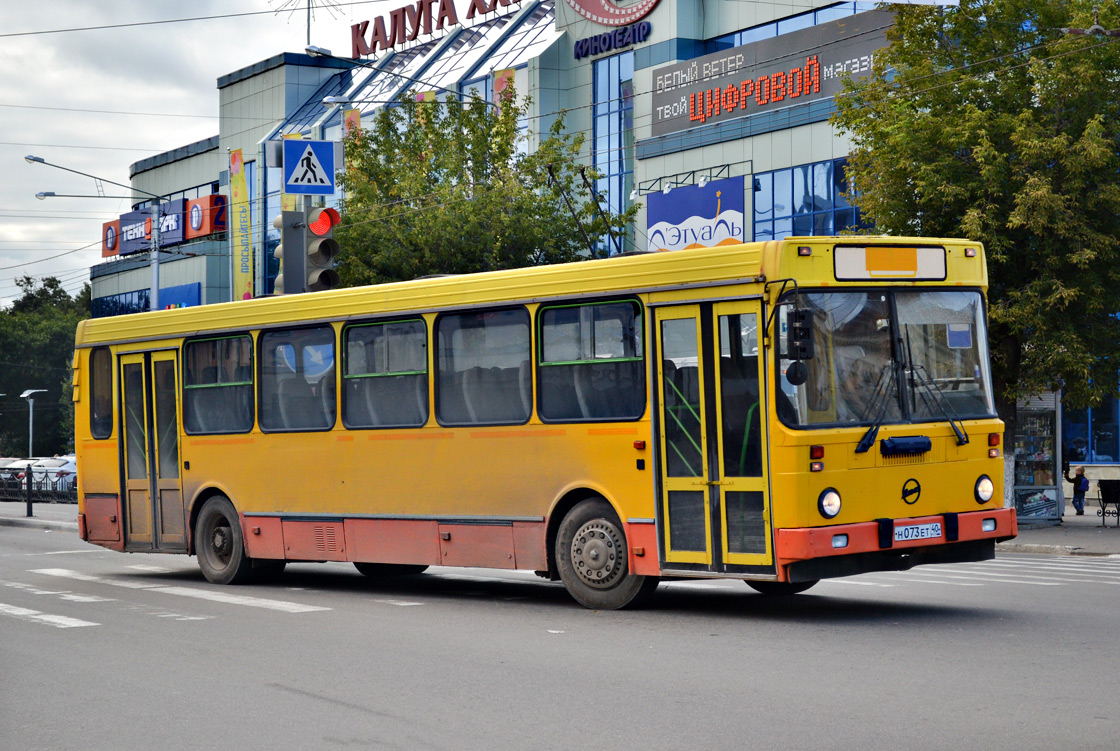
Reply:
x=597, y=554
x=221, y=543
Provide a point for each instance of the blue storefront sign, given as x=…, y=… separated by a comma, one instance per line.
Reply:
x=696, y=217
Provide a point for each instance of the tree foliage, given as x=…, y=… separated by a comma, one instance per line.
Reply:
x=443, y=188
x=36, y=350
x=990, y=122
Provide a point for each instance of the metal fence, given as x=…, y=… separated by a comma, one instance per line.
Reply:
x=45, y=490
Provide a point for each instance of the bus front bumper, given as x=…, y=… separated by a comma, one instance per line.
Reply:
x=810, y=553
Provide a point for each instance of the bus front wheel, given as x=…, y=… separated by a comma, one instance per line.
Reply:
x=779, y=589
x=592, y=558
x=219, y=545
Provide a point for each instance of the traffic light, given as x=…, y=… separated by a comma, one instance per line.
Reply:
x=307, y=250
x=321, y=249
x=290, y=251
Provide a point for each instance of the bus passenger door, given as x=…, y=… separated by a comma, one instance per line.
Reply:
x=153, y=496
x=744, y=496
x=715, y=510
x=685, y=501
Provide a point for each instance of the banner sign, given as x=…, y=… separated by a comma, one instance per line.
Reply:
x=171, y=224
x=205, y=216
x=180, y=220
x=241, y=232
x=111, y=238
x=769, y=74
x=696, y=217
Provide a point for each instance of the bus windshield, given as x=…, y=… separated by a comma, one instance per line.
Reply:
x=890, y=356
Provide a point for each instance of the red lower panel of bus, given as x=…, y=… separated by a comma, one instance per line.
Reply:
x=517, y=544
x=846, y=539
x=415, y=541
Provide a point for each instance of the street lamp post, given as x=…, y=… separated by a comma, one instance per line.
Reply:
x=29, y=395
x=154, y=251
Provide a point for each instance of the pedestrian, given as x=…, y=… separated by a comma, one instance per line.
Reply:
x=1080, y=487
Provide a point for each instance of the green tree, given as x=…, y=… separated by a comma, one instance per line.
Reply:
x=36, y=350
x=443, y=188
x=990, y=122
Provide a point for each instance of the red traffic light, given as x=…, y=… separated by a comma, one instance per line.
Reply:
x=321, y=221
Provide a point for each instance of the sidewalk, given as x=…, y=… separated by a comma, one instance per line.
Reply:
x=1076, y=535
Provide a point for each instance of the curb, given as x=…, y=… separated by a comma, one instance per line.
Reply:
x=33, y=523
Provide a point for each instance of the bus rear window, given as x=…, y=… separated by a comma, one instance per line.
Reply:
x=101, y=393
x=218, y=385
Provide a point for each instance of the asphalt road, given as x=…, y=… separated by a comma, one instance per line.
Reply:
x=100, y=650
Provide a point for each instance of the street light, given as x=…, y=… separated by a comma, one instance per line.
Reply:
x=29, y=395
x=153, y=253
x=314, y=51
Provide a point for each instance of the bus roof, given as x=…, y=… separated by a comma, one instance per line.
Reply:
x=645, y=272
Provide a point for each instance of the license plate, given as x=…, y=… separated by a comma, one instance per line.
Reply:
x=917, y=532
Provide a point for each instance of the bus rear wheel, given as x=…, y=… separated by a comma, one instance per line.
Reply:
x=592, y=558
x=219, y=545
x=781, y=589
x=381, y=570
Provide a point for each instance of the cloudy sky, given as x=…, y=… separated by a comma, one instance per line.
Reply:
x=99, y=99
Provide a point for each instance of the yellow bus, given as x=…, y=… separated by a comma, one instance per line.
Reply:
x=776, y=412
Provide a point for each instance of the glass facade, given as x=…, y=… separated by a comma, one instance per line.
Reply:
x=612, y=145
x=1092, y=436
x=803, y=200
x=785, y=25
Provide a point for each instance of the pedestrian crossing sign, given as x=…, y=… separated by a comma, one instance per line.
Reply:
x=309, y=167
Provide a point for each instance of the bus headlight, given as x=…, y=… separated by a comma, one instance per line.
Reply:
x=984, y=489
x=828, y=503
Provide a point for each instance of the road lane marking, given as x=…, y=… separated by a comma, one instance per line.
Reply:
x=67, y=552
x=199, y=594
x=151, y=569
x=58, y=621
x=400, y=603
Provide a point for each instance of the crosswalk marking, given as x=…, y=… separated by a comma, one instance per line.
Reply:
x=58, y=621
x=1019, y=571
x=200, y=594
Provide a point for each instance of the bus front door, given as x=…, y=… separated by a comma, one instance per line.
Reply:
x=153, y=495
x=715, y=507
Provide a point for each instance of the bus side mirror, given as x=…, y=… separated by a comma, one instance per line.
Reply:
x=799, y=334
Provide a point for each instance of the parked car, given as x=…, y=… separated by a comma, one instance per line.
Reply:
x=50, y=469
x=9, y=466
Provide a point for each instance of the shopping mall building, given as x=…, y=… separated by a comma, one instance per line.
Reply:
x=711, y=115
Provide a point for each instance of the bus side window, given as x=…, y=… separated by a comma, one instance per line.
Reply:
x=481, y=370
x=385, y=381
x=101, y=393
x=297, y=375
x=591, y=362
x=218, y=385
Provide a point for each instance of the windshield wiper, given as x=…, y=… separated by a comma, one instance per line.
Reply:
x=938, y=397
x=940, y=400
x=880, y=397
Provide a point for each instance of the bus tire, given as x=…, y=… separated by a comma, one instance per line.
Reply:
x=781, y=589
x=381, y=570
x=219, y=545
x=592, y=558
